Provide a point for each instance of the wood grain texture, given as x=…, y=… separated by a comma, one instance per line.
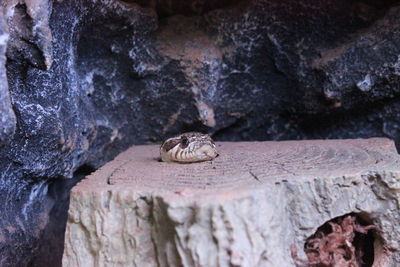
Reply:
x=246, y=207
x=239, y=164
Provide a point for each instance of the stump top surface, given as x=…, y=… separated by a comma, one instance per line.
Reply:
x=245, y=164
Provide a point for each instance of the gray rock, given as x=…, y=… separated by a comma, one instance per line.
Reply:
x=7, y=116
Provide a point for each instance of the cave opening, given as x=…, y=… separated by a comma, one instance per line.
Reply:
x=349, y=239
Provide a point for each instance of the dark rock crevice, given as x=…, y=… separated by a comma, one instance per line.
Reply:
x=166, y=8
x=21, y=46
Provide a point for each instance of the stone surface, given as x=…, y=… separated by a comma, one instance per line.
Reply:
x=245, y=208
x=82, y=80
x=7, y=116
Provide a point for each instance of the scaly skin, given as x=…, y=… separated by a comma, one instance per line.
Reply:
x=188, y=147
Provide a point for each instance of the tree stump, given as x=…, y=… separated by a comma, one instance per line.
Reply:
x=245, y=208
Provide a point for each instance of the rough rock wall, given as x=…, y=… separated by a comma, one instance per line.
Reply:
x=83, y=80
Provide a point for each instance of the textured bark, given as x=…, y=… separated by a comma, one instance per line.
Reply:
x=245, y=208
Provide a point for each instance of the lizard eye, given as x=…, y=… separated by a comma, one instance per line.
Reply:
x=184, y=142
